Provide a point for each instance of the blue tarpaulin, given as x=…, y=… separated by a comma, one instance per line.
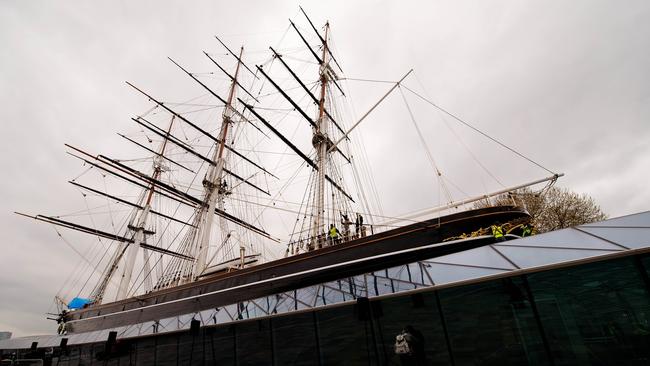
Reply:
x=78, y=303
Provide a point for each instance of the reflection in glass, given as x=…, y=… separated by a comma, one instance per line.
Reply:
x=596, y=314
x=492, y=323
x=343, y=338
x=294, y=340
x=254, y=343
x=420, y=313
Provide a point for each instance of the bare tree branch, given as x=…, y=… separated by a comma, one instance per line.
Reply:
x=554, y=209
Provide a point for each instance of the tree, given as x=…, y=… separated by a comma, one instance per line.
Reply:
x=555, y=208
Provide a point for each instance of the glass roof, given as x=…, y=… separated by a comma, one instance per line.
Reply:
x=583, y=241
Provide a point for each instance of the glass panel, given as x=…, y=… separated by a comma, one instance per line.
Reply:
x=482, y=257
x=167, y=350
x=420, y=314
x=639, y=219
x=22, y=353
x=361, y=285
x=262, y=306
x=73, y=355
x=492, y=323
x=380, y=285
x=285, y=303
x=226, y=314
x=631, y=237
x=563, y=238
x=446, y=273
x=321, y=298
x=62, y=361
x=98, y=349
x=403, y=286
x=113, y=361
x=273, y=303
x=645, y=262
x=254, y=343
x=596, y=314
x=190, y=349
x=343, y=338
x=399, y=278
x=86, y=356
x=533, y=257
x=333, y=294
x=242, y=310
x=399, y=273
x=219, y=345
x=306, y=297
x=294, y=340
x=125, y=353
x=146, y=351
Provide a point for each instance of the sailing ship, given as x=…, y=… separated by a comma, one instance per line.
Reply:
x=194, y=238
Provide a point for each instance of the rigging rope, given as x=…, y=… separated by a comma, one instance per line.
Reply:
x=78, y=268
x=426, y=149
x=370, y=80
x=458, y=137
x=477, y=130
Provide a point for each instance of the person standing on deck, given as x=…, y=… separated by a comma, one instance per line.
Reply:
x=345, y=221
x=497, y=232
x=358, y=224
x=334, y=235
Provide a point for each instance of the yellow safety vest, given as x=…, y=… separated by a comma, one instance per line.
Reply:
x=333, y=232
x=497, y=231
x=526, y=231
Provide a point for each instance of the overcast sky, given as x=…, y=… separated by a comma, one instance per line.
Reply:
x=565, y=83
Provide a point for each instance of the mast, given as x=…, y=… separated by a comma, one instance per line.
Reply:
x=319, y=140
x=139, y=227
x=213, y=183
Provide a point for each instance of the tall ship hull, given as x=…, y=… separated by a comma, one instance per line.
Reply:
x=384, y=250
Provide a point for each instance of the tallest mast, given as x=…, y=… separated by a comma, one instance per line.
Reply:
x=319, y=140
x=213, y=182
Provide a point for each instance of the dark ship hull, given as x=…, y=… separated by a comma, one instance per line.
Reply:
x=362, y=255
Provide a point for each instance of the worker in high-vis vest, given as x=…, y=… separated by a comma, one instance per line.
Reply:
x=334, y=234
x=526, y=230
x=497, y=232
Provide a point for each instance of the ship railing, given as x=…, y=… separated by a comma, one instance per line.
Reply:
x=323, y=240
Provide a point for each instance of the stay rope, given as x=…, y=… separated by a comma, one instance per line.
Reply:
x=477, y=130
